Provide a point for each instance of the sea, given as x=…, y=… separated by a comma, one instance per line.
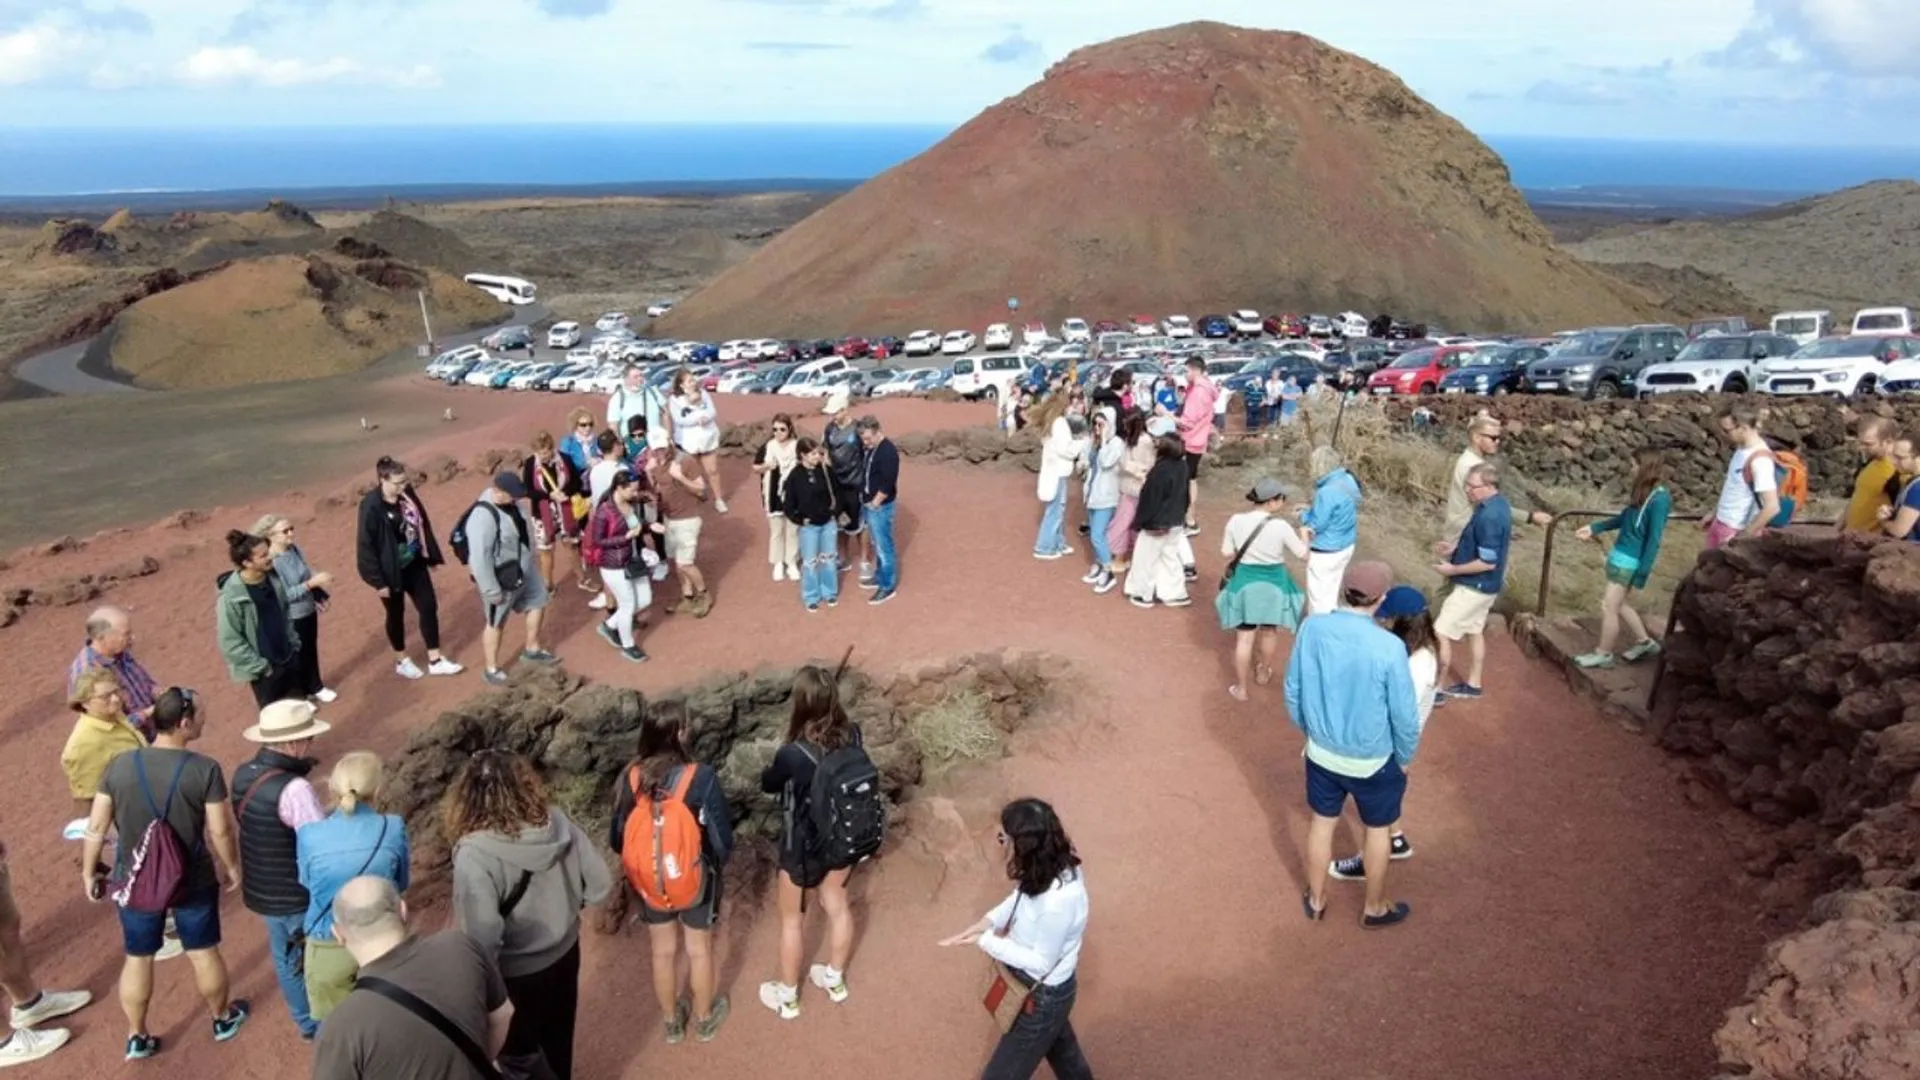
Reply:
x=47, y=162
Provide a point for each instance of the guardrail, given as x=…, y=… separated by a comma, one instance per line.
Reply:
x=1546, y=558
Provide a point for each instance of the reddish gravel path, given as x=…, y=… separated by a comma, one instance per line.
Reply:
x=1574, y=917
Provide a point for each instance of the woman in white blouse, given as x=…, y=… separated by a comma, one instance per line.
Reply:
x=1035, y=934
x=696, y=429
x=1259, y=597
x=774, y=463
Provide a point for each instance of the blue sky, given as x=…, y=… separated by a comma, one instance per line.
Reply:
x=1779, y=71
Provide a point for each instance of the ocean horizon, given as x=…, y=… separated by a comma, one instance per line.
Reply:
x=93, y=162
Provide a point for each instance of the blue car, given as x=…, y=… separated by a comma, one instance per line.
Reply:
x=504, y=376
x=1494, y=370
x=1215, y=326
x=458, y=375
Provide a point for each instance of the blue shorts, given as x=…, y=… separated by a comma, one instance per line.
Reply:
x=1377, y=797
x=196, y=920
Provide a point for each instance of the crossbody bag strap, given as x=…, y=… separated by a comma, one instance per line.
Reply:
x=254, y=789
x=514, y=895
x=1247, y=544
x=377, y=844
x=482, y=1064
x=1007, y=928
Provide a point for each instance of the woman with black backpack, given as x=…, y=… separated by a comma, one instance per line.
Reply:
x=819, y=727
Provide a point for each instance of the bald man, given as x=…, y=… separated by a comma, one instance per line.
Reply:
x=109, y=645
x=366, y=1038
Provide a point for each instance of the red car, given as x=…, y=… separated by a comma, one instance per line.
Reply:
x=1416, y=372
x=852, y=348
x=1108, y=326
x=1285, y=326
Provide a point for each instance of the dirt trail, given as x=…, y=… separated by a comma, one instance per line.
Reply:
x=1574, y=917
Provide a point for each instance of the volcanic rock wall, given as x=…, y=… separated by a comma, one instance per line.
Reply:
x=1794, y=683
x=583, y=735
x=1589, y=445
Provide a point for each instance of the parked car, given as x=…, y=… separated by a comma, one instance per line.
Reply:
x=1363, y=355
x=1250, y=382
x=1350, y=324
x=1716, y=362
x=1319, y=326
x=914, y=381
x=769, y=381
x=957, y=343
x=1841, y=367
x=731, y=350
x=998, y=336
x=563, y=380
x=1491, y=369
x=1417, y=372
x=659, y=308
x=988, y=376
x=852, y=348
x=509, y=337
x=1284, y=326
x=1247, y=321
x=1805, y=327
x=1144, y=326
x=804, y=375
x=1035, y=334
x=1900, y=378
x=1717, y=324
x=1178, y=326
x=563, y=335
x=1216, y=326
x=1884, y=320
x=1604, y=361
x=1076, y=330
x=885, y=346
x=505, y=375
x=612, y=320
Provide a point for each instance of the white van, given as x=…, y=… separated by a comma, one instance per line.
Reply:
x=1805, y=327
x=990, y=377
x=1883, y=320
x=811, y=372
x=1350, y=324
x=507, y=290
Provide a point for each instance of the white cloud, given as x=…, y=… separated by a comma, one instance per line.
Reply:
x=1861, y=37
x=243, y=64
x=29, y=55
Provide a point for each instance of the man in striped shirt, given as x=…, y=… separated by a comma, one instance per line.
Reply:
x=110, y=645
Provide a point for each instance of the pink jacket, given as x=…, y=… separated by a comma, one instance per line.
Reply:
x=1196, y=416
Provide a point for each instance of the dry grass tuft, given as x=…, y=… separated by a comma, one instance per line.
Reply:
x=955, y=729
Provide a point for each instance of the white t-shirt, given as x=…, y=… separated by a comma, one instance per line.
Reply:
x=1270, y=547
x=1424, y=666
x=1739, y=500
x=696, y=423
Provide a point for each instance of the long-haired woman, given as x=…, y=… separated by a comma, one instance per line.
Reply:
x=1035, y=934
x=255, y=622
x=306, y=596
x=1159, y=525
x=521, y=873
x=1404, y=611
x=614, y=533
x=811, y=501
x=395, y=553
x=1062, y=454
x=1136, y=462
x=1641, y=525
x=774, y=463
x=353, y=841
x=696, y=429
x=552, y=486
x=664, y=769
x=818, y=727
x=1105, y=452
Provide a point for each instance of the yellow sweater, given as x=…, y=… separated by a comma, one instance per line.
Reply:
x=93, y=744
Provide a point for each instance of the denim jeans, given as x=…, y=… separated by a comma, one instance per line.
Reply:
x=819, y=577
x=886, y=568
x=286, y=945
x=1043, y=1033
x=1097, y=524
x=1053, y=525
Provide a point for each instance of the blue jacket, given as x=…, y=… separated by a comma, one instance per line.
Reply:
x=343, y=846
x=1349, y=689
x=1334, y=516
x=1487, y=538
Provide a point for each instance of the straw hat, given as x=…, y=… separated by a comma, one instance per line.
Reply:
x=287, y=721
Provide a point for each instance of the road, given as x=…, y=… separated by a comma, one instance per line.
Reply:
x=60, y=370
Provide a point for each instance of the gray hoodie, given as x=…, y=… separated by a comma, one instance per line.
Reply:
x=567, y=875
x=493, y=540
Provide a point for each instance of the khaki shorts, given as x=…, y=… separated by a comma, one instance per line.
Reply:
x=329, y=971
x=9, y=911
x=683, y=540
x=1463, y=612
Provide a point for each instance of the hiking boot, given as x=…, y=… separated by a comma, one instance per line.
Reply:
x=140, y=1047
x=677, y=1023
x=705, y=1030
x=1594, y=660
x=833, y=982
x=783, y=1000
x=226, y=1027
x=702, y=604
x=1641, y=651
x=407, y=669
x=49, y=1005
x=27, y=1045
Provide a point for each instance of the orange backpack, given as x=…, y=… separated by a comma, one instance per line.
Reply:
x=1790, y=482
x=662, y=845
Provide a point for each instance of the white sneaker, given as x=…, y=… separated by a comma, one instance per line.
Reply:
x=793, y=571
x=1092, y=575
x=833, y=982
x=720, y=505
x=660, y=572
x=170, y=947
x=26, y=1045
x=52, y=1004
x=779, y=571
x=783, y=1000
x=325, y=695
x=599, y=601
x=444, y=666
x=407, y=669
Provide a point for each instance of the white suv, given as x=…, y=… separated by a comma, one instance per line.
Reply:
x=1076, y=330
x=921, y=343
x=1247, y=321
x=563, y=335
x=1841, y=367
x=1717, y=362
x=989, y=376
x=998, y=336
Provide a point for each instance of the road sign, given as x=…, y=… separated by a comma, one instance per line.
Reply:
x=1013, y=303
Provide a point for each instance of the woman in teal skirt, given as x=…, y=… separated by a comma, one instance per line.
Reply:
x=1258, y=597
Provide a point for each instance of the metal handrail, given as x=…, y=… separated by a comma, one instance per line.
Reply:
x=1546, y=558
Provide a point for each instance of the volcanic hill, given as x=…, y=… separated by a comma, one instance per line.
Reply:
x=1197, y=168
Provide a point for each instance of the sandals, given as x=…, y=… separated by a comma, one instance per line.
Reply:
x=1237, y=692
x=1262, y=674
x=1314, y=914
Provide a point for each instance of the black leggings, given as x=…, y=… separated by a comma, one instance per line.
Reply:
x=544, y=1006
x=415, y=581
x=282, y=683
x=306, y=663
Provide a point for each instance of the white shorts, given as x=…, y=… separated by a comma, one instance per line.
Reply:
x=683, y=540
x=1463, y=612
x=1325, y=569
x=701, y=440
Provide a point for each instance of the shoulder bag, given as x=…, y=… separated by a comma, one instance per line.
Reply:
x=482, y=1064
x=1008, y=993
x=1226, y=578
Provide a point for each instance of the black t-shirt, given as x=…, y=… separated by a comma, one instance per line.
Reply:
x=201, y=784
x=273, y=643
x=790, y=775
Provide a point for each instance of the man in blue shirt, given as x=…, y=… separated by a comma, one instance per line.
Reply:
x=879, y=488
x=1349, y=689
x=1477, y=567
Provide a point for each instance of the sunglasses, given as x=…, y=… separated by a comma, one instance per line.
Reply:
x=584, y=425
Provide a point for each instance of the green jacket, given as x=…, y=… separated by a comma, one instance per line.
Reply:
x=239, y=626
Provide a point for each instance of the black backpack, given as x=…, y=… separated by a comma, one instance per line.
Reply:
x=845, y=806
x=458, y=540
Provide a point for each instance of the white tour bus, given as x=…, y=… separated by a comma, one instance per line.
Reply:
x=507, y=290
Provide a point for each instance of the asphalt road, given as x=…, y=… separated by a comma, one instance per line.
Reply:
x=59, y=371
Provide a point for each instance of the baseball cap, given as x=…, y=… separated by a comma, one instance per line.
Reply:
x=1160, y=426
x=510, y=484
x=1401, y=600
x=1368, y=581
x=1267, y=489
x=836, y=402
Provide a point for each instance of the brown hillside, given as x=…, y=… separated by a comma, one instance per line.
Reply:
x=1196, y=168
x=286, y=317
x=1847, y=250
